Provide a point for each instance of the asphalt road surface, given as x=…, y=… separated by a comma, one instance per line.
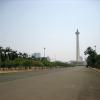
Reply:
x=78, y=83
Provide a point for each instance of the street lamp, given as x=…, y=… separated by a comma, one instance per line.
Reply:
x=95, y=48
x=44, y=52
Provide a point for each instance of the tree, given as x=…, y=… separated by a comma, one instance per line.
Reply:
x=20, y=55
x=14, y=55
x=7, y=53
x=0, y=55
x=91, y=59
x=25, y=55
x=98, y=61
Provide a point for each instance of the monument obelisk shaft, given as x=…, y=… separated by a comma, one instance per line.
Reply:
x=77, y=46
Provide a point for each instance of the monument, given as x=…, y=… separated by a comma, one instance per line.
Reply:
x=77, y=47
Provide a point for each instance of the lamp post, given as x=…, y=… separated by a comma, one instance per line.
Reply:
x=95, y=48
x=44, y=52
x=44, y=57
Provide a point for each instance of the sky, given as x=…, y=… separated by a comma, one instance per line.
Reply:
x=32, y=25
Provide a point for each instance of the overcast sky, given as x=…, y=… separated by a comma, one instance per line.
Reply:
x=30, y=25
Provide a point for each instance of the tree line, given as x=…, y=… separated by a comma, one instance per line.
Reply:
x=10, y=58
x=93, y=59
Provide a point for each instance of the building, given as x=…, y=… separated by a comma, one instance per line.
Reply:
x=37, y=55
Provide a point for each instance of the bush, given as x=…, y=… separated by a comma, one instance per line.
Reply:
x=7, y=64
x=37, y=63
x=18, y=62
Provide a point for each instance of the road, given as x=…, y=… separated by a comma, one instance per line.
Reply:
x=78, y=83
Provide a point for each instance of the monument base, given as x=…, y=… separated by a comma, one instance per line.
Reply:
x=79, y=63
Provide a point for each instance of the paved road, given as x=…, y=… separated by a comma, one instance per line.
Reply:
x=5, y=77
x=77, y=83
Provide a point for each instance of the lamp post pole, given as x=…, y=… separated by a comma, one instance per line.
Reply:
x=44, y=52
x=95, y=48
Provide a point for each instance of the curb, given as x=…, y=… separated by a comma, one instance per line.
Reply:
x=97, y=70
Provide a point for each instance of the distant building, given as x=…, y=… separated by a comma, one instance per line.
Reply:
x=37, y=55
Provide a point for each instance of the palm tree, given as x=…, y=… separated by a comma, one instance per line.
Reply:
x=14, y=55
x=2, y=57
x=7, y=52
x=25, y=55
x=20, y=55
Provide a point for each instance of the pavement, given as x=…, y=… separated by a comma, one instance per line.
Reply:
x=76, y=83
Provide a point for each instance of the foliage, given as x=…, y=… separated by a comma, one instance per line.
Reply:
x=62, y=64
x=93, y=59
x=10, y=58
x=45, y=62
x=37, y=64
x=98, y=61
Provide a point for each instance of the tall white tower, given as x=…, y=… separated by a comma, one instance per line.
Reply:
x=77, y=46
